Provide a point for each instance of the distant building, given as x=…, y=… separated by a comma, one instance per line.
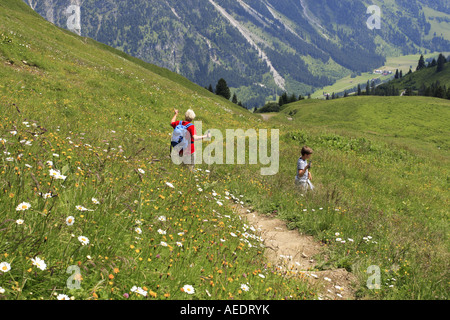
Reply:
x=383, y=72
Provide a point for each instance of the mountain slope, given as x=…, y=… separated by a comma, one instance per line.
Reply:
x=101, y=118
x=425, y=77
x=258, y=46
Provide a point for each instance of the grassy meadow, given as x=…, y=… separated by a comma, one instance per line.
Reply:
x=87, y=182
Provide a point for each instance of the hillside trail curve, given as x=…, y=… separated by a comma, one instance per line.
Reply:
x=289, y=250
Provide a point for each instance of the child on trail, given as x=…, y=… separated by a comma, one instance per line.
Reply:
x=303, y=177
x=192, y=136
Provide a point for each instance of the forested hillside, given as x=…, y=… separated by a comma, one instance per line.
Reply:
x=261, y=47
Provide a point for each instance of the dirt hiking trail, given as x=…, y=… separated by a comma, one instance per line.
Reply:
x=292, y=251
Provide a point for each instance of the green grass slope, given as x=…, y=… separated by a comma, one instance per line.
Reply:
x=411, y=119
x=381, y=170
x=426, y=76
x=101, y=118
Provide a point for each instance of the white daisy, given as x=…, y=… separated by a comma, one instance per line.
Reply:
x=160, y=231
x=142, y=292
x=23, y=206
x=62, y=297
x=95, y=201
x=70, y=220
x=141, y=171
x=19, y=221
x=164, y=244
x=162, y=218
x=81, y=208
x=5, y=267
x=138, y=230
x=139, y=290
x=84, y=240
x=55, y=174
x=244, y=287
x=38, y=262
x=2, y=290
x=189, y=289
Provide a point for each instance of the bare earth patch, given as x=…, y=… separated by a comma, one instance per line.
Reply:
x=293, y=251
x=266, y=117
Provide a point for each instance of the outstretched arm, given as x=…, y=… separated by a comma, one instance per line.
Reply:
x=196, y=137
x=175, y=116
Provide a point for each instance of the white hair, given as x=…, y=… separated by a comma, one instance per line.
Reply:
x=190, y=115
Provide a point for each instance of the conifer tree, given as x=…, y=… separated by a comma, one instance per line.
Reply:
x=421, y=64
x=222, y=89
x=440, y=63
x=234, y=99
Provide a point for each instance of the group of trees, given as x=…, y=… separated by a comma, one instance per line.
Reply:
x=434, y=90
x=285, y=98
x=439, y=63
x=223, y=90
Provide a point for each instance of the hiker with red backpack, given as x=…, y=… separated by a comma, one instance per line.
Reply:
x=183, y=137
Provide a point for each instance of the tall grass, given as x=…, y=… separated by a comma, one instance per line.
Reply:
x=102, y=119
